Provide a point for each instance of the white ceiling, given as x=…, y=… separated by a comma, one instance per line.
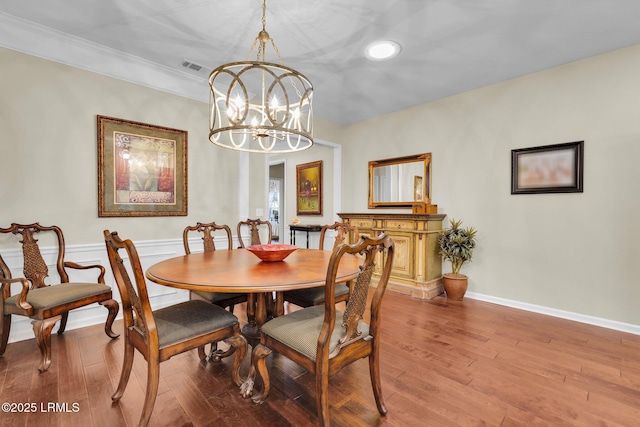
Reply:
x=448, y=46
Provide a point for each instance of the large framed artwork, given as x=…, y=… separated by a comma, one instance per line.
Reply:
x=309, y=188
x=142, y=169
x=548, y=169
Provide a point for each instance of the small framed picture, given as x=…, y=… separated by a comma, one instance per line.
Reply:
x=554, y=168
x=309, y=188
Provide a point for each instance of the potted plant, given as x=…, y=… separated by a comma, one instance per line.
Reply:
x=456, y=245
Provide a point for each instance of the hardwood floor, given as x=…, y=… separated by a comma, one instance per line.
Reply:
x=443, y=363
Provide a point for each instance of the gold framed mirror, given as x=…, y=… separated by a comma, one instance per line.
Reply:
x=400, y=182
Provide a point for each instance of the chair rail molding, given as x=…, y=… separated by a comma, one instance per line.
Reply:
x=151, y=252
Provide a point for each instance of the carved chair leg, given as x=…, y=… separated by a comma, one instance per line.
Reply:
x=113, y=307
x=374, y=372
x=127, y=364
x=153, y=378
x=42, y=331
x=322, y=397
x=63, y=323
x=5, y=327
x=238, y=345
x=259, y=364
x=201, y=353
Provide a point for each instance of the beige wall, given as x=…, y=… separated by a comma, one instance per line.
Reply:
x=49, y=153
x=49, y=150
x=569, y=252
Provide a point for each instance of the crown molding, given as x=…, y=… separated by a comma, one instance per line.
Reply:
x=43, y=42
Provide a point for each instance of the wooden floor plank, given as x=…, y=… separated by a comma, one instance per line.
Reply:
x=44, y=393
x=100, y=391
x=21, y=360
x=443, y=363
x=192, y=400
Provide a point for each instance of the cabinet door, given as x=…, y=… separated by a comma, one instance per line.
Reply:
x=403, y=258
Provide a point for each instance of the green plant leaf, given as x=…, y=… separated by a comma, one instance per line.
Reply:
x=457, y=244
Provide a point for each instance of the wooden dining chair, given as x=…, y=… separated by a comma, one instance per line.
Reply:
x=315, y=296
x=324, y=340
x=207, y=230
x=161, y=334
x=221, y=299
x=254, y=232
x=47, y=303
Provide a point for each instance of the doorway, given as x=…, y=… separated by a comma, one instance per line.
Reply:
x=276, y=201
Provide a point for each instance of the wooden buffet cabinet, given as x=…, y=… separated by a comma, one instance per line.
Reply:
x=417, y=267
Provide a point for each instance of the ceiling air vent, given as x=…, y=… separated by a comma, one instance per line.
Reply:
x=191, y=65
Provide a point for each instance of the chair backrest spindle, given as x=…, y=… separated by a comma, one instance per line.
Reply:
x=341, y=231
x=34, y=266
x=254, y=231
x=208, y=238
x=370, y=250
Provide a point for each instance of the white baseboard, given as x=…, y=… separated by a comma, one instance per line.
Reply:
x=582, y=318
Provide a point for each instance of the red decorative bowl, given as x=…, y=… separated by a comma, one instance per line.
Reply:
x=273, y=252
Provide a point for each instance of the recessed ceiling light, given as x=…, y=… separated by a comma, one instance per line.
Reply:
x=381, y=50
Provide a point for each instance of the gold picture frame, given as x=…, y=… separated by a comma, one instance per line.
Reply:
x=142, y=169
x=309, y=188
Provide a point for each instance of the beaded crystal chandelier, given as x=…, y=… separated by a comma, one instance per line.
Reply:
x=259, y=106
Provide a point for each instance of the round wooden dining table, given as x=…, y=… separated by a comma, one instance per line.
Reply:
x=240, y=271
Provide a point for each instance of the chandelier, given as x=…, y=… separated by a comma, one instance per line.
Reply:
x=259, y=106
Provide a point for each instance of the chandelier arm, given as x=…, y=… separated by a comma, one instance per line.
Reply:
x=275, y=48
x=253, y=46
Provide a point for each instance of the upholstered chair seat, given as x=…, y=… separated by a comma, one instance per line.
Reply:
x=184, y=321
x=300, y=330
x=315, y=296
x=52, y=297
x=218, y=298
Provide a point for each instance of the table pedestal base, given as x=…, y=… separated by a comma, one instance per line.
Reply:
x=261, y=307
x=252, y=333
